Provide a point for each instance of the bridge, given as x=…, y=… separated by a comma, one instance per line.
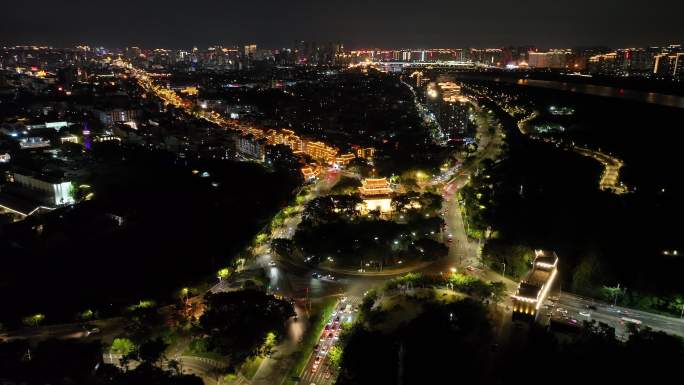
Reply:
x=398, y=66
x=535, y=286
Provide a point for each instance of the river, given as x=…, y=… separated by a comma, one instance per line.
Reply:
x=589, y=89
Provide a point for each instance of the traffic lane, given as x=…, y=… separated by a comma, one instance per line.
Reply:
x=323, y=372
x=613, y=318
x=326, y=373
x=104, y=330
x=666, y=324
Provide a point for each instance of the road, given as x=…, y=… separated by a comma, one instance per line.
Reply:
x=318, y=370
x=612, y=315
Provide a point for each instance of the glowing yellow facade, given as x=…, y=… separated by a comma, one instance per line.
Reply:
x=318, y=150
x=376, y=195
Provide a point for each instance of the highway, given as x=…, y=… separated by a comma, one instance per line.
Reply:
x=612, y=315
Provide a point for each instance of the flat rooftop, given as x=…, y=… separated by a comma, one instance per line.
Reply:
x=527, y=290
x=537, y=277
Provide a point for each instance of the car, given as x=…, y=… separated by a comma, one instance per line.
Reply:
x=591, y=307
x=585, y=313
x=316, y=347
x=330, y=335
x=327, y=327
x=272, y=263
x=315, y=276
x=337, y=319
x=323, y=352
x=343, y=299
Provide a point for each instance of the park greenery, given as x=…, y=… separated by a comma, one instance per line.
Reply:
x=420, y=349
x=334, y=230
x=468, y=284
x=412, y=335
x=75, y=362
x=529, y=199
x=241, y=324
x=174, y=224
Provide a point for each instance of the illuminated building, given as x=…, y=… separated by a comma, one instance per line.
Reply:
x=250, y=49
x=33, y=142
x=678, y=70
x=109, y=117
x=634, y=60
x=375, y=193
x=550, y=59
x=69, y=139
x=320, y=151
x=54, y=192
x=603, y=64
x=190, y=91
x=666, y=65
x=344, y=159
x=251, y=146
x=535, y=286
x=310, y=173
x=106, y=138
x=365, y=153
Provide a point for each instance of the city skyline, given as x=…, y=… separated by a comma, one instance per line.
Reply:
x=396, y=24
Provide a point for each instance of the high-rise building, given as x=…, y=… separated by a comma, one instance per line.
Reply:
x=605, y=64
x=678, y=71
x=632, y=61
x=557, y=59
x=250, y=49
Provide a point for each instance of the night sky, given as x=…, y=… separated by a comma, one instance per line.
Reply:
x=356, y=23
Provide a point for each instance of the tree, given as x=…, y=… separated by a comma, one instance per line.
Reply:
x=516, y=257
x=223, y=273
x=152, y=351
x=33, y=320
x=346, y=185
x=237, y=323
x=86, y=315
x=612, y=293
x=123, y=346
x=498, y=290
x=586, y=275
x=335, y=356
x=141, y=320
